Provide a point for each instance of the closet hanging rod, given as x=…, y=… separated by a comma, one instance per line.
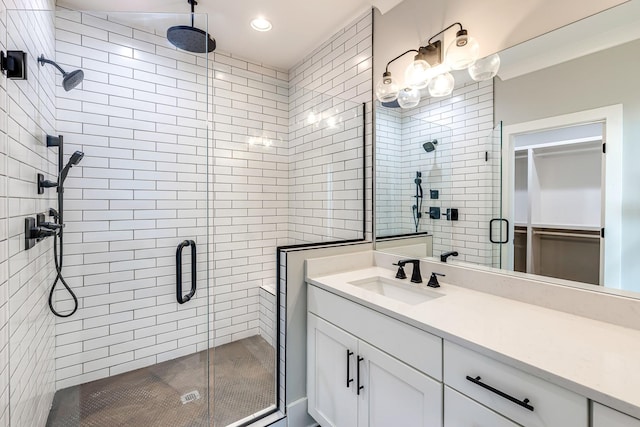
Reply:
x=560, y=234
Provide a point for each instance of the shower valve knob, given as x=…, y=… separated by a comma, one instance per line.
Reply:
x=44, y=183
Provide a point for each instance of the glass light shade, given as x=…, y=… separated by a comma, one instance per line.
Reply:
x=417, y=74
x=387, y=89
x=462, y=52
x=441, y=85
x=485, y=68
x=409, y=97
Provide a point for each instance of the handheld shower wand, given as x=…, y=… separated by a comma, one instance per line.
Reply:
x=417, y=207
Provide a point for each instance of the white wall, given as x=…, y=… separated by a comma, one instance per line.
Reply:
x=27, y=114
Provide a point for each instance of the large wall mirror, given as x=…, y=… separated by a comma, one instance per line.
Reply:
x=529, y=148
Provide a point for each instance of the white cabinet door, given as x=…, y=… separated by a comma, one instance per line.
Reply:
x=460, y=411
x=607, y=417
x=331, y=354
x=394, y=394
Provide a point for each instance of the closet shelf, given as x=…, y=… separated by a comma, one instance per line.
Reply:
x=579, y=227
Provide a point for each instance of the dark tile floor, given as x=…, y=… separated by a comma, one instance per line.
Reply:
x=242, y=383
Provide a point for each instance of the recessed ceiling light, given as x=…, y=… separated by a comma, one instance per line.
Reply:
x=261, y=24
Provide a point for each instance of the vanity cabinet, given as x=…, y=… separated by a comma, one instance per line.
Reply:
x=523, y=398
x=460, y=411
x=607, y=417
x=352, y=382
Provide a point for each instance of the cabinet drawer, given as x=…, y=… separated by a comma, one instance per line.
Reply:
x=413, y=346
x=505, y=390
x=460, y=411
x=607, y=417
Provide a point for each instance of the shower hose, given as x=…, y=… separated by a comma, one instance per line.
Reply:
x=58, y=262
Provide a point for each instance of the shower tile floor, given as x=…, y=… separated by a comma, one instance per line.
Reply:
x=243, y=375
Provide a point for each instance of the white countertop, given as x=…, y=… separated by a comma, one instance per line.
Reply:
x=595, y=359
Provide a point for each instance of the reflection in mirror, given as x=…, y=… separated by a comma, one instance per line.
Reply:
x=544, y=81
x=440, y=159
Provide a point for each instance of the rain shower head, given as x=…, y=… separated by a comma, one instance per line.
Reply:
x=190, y=38
x=430, y=146
x=69, y=80
x=73, y=160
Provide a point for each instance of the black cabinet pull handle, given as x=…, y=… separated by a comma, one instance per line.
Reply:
x=524, y=403
x=360, y=387
x=179, y=296
x=349, y=380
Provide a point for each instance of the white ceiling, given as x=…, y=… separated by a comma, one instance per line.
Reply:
x=299, y=26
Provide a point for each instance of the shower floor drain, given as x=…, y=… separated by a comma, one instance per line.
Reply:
x=190, y=397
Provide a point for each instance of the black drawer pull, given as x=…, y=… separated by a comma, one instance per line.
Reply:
x=524, y=403
x=349, y=380
x=359, y=387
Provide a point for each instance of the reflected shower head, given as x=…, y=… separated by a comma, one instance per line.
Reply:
x=430, y=146
x=190, y=38
x=69, y=80
x=73, y=160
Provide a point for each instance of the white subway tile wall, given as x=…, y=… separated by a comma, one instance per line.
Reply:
x=140, y=117
x=27, y=114
x=462, y=124
x=268, y=314
x=327, y=91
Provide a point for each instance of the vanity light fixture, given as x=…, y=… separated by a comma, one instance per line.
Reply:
x=261, y=24
x=430, y=70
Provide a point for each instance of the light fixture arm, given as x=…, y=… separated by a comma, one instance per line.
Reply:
x=386, y=69
x=450, y=26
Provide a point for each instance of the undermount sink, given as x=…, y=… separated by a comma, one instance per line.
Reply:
x=390, y=288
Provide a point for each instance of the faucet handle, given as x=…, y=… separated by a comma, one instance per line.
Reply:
x=433, y=280
x=400, y=274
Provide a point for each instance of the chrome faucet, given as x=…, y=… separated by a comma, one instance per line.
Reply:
x=415, y=273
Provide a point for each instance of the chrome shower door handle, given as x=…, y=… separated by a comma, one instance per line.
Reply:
x=179, y=296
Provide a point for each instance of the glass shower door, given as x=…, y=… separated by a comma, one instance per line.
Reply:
x=136, y=220
x=501, y=232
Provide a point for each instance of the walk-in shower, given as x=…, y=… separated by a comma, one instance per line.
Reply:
x=174, y=220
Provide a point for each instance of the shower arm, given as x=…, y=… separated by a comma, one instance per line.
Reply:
x=193, y=4
x=44, y=60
